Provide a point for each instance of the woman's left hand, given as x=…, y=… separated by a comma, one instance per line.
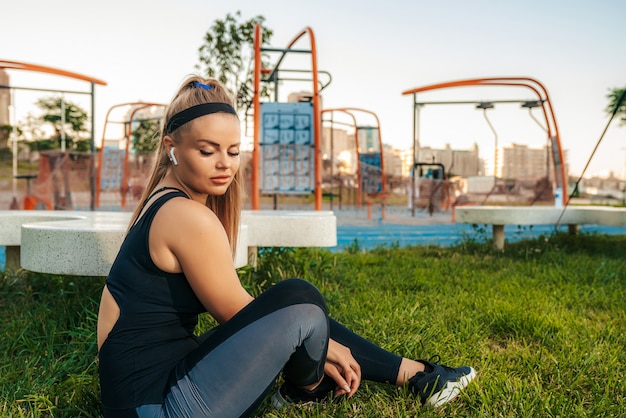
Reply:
x=342, y=368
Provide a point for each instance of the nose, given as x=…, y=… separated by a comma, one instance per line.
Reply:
x=224, y=160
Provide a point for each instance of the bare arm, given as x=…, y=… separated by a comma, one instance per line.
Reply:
x=188, y=236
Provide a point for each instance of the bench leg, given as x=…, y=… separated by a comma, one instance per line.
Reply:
x=572, y=229
x=498, y=236
x=252, y=256
x=12, y=258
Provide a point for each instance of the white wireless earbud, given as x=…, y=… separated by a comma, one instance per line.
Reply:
x=173, y=157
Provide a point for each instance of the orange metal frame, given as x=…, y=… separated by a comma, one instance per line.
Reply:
x=350, y=112
x=534, y=85
x=256, y=156
x=15, y=65
x=127, y=135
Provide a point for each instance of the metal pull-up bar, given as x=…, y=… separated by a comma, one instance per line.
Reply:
x=543, y=100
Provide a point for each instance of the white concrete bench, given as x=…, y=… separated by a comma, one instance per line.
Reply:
x=280, y=228
x=573, y=216
x=86, y=243
x=11, y=222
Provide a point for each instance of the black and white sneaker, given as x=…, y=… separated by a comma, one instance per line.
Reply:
x=439, y=384
x=288, y=394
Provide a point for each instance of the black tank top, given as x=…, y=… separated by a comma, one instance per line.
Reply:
x=158, y=314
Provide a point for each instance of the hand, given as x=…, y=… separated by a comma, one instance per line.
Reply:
x=342, y=368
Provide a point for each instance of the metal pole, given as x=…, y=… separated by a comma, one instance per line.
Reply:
x=92, y=150
x=331, y=159
x=63, y=124
x=416, y=145
x=13, y=118
x=495, y=151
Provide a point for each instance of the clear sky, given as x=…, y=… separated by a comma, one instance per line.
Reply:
x=373, y=50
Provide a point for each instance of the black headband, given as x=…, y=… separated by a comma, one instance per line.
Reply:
x=187, y=115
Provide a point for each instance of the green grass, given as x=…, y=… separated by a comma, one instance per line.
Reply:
x=542, y=323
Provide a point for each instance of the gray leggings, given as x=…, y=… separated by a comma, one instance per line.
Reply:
x=286, y=328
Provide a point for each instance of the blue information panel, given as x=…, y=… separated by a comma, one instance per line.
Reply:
x=371, y=173
x=112, y=169
x=287, y=148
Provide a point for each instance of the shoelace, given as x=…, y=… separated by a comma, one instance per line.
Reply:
x=436, y=360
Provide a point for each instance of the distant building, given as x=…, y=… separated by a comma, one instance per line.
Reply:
x=464, y=163
x=393, y=161
x=524, y=163
x=406, y=157
x=339, y=147
x=609, y=186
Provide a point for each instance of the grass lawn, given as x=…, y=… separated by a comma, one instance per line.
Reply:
x=543, y=323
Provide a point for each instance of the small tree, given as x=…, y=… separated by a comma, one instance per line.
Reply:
x=616, y=99
x=5, y=135
x=146, y=135
x=74, y=129
x=33, y=134
x=228, y=54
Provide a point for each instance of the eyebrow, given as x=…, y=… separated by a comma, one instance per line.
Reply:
x=215, y=144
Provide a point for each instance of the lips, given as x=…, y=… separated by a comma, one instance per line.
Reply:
x=220, y=179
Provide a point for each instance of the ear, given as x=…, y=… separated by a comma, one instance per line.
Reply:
x=168, y=142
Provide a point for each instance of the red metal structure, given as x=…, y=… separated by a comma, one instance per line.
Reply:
x=134, y=108
x=271, y=75
x=15, y=65
x=543, y=99
x=352, y=113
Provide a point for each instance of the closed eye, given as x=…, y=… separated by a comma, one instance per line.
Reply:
x=207, y=153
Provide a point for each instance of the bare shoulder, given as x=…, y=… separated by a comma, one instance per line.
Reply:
x=183, y=214
x=182, y=223
x=184, y=233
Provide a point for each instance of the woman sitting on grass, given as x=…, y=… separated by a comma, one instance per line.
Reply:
x=177, y=262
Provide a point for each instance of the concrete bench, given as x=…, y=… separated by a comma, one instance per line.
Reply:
x=85, y=243
x=11, y=222
x=573, y=216
x=280, y=228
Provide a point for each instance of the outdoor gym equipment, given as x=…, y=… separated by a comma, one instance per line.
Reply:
x=114, y=174
x=31, y=201
x=370, y=171
x=14, y=65
x=543, y=100
x=434, y=186
x=530, y=105
x=287, y=137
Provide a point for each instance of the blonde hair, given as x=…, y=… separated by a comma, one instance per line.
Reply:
x=228, y=206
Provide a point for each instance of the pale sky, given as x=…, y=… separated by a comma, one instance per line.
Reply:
x=373, y=50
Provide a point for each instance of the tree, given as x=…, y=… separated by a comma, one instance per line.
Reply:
x=5, y=135
x=75, y=131
x=228, y=54
x=616, y=98
x=146, y=136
